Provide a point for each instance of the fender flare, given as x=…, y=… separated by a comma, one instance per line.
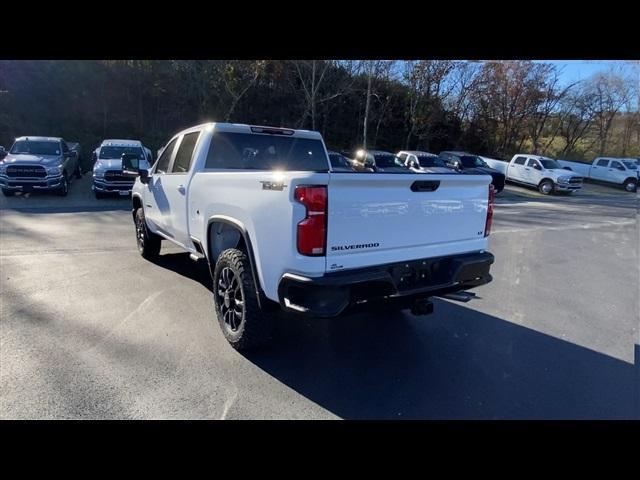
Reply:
x=135, y=196
x=247, y=241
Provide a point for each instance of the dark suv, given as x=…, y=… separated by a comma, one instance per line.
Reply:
x=472, y=164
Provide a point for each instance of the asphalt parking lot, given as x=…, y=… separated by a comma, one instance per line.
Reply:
x=91, y=330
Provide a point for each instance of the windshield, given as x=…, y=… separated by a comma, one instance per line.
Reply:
x=429, y=161
x=470, y=161
x=115, y=153
x=35, y=147
x=550, y=164
x=388, y=161
x=631, y=165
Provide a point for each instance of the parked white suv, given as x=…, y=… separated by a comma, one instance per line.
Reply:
x=279, y=229
x=546, y=174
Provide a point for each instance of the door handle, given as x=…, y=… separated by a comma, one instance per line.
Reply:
x=181, y=189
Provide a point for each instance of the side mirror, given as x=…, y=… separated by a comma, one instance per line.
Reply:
x=131, y=166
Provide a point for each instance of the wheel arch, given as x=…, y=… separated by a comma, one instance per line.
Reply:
x=234, y=235
x=546, y=178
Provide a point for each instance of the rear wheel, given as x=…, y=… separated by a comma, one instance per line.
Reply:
x=8, y=193
x=244, y=324
x=630, y=185
x=148, y=242
x=546, y=187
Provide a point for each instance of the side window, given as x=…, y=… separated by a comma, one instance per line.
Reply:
x=165, y=158
x=520, y=161
x=602, y=163
x=403, y=156
x=617, y=165
x=65, y=147
x=182, y=163
x=532, y=163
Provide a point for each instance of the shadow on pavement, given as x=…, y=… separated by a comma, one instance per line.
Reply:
x=455, y=364
x=181, y=263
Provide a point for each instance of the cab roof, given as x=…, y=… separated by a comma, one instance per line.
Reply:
x=40, y=139
x=418, y=153
x=254, y=129
x=121, y=143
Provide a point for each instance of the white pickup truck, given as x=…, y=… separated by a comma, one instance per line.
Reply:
x=619, y=171
x=546, y=174
x=280, y=228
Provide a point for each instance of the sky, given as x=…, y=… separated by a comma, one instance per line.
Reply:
x=574, y=70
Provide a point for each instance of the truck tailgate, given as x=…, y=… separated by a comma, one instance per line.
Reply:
x=377, y=218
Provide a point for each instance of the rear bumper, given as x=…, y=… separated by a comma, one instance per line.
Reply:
x=398, y=283
x=28, y=184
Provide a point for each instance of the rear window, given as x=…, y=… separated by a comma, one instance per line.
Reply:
x=429, y=161
x=244, y=151
x=387, y=161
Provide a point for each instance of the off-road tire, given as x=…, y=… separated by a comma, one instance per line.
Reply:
x=149, y=243
x=255, y=327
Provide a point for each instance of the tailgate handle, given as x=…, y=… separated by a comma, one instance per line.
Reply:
x=425, y=185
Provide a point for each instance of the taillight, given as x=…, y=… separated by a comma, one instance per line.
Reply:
x=312, y=231
x=487, y=225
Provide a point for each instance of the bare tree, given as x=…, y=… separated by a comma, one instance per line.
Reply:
x=373, y=71
x=427, y=85
x=575, y=118
x=238, y=77
x=321, y=82
x=610, y=92
x=550, y=95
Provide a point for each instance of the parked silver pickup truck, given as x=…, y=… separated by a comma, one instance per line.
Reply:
x=108, y=178
x=38, y=163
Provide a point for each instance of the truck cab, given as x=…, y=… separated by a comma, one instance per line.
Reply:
x=108, y=178
x=545, y=173
x=621, y=171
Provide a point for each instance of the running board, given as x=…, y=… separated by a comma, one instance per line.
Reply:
x=459, y=296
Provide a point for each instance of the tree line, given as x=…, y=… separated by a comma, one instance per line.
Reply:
x=490, y=108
